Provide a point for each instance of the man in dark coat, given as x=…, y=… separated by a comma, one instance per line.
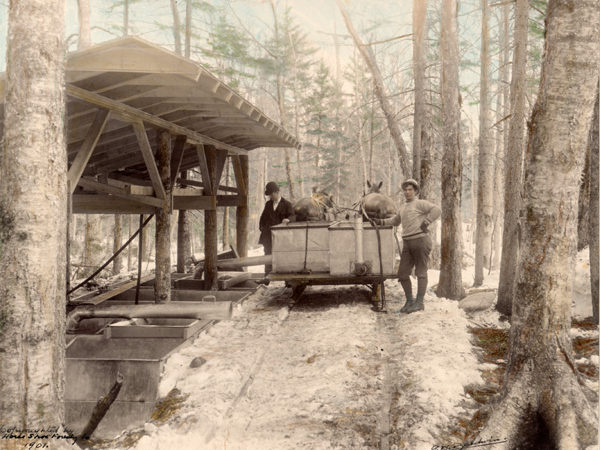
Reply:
x=277, y=210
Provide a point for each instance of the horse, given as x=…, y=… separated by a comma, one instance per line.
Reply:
x=376, y=205
x=314, y=208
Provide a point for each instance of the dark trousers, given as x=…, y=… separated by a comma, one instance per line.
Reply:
x=268, y=250
x=415, y=253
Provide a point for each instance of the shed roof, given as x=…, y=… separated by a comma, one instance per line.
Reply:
x=138, y=81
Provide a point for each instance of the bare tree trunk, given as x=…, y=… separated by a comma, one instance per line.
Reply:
x=130, y=247
x=514, y=163
x=543, y=404
x=369, y=57
x=188, y=28
x=485, y=206
x=226, y=213
x=450, y=284
x=162, y=282
x=117, y=242
x=297, y=115
x=584, y=206
x=593, y=228
x=33, y=219
x=176, y=27
x=125, y=17
x=281, y=105
x=419, y=18
x=501, y=113
x=359, y=127
x=85, y=30
x=184, y=244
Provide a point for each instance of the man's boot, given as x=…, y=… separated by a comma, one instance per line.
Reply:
x=415, y=306
x=409, y=302
x=407, y=286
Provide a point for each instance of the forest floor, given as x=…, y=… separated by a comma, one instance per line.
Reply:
x=329, y=372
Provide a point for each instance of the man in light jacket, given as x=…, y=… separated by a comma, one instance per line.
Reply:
x=415, y=216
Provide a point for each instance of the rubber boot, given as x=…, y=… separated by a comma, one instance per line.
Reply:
x=415, y=306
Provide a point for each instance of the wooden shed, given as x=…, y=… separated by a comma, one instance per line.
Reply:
x=138, y=116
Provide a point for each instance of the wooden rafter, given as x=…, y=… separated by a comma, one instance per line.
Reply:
x=136, y=115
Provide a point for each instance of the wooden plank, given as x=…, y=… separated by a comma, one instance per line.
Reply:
x=187, y=191
x=136, y=115
x=140, y=131
x=204, y=202
x=107, y=204
x=200, y=184
x=84, y=153
x=177, y=157
x=118, y=192
x=227, y=281
x=129, y=179
x=110, y=294
x=201, y=152
x=228, y=200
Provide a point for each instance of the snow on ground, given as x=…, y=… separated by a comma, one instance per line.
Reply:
x=329, y=372
x=326, y=373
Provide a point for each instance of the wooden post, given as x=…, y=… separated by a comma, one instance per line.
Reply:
x=241, y=213
x=210, y=223
x=162, y=283
x=183, y=237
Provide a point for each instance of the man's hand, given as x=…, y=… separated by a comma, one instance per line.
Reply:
x=285, y=221
x=425, y=226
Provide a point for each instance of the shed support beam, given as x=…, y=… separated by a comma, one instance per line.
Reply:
x=162, y=283
x=142, y=137
x=206, y=179
x=241, y=213
x=84, y=153
x=210, y=225
x=177, y=157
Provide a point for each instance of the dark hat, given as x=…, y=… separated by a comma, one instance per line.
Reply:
x=411, y=182
x=271, y=187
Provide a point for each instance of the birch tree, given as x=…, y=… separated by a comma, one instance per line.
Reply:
x=85, y=30
x=513, y=164
x=33, y=218
x=450, y=284
x=419, y=16
x=593, y=228
x=542, y=397
x=486, y=161
x=502, y=107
